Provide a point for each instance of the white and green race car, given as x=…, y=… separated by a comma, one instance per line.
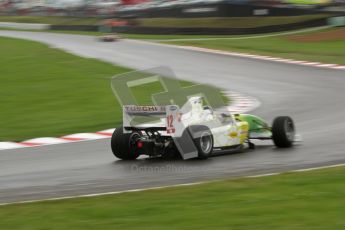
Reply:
x=193, y=131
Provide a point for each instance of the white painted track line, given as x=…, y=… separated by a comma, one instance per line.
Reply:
x=170, y=186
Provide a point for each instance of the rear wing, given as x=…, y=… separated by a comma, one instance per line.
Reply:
x=169, y=118
x=153, y=118
x=136, y=110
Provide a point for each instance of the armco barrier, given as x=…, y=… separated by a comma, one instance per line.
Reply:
x=75, y=27
x=24, y=26
x=215, y=10
x=219, y=31
x=197, y=30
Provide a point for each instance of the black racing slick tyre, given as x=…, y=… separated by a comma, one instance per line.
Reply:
x=124, y=145
x=203, y=140
x=283, y=132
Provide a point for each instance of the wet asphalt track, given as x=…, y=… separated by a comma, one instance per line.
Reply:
x=314, y=97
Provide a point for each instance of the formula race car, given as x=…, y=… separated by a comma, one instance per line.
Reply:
x=109, y=37
x=193, y=131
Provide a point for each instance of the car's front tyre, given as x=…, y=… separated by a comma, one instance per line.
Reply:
x=283, y=132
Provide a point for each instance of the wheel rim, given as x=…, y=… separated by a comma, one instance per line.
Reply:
x=133, y=139
x=206, y=142
x=290, y=130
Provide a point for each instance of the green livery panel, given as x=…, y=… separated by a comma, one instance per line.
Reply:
x=256, y=124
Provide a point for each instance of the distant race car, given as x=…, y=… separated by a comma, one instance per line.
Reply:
x=110, y=37
x=193, y=131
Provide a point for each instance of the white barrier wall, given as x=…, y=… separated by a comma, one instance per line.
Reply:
x=25, y=26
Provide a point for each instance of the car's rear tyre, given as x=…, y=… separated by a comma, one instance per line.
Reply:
x=283, y=132
x=124, y=145
x=203, y=140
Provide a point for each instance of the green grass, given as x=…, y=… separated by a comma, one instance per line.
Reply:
x=233, y=22
x=298, y=201
x=309, y=2
x=48, y=92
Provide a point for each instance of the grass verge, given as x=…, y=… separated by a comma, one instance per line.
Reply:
x=48, y=92
x=308, y=200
